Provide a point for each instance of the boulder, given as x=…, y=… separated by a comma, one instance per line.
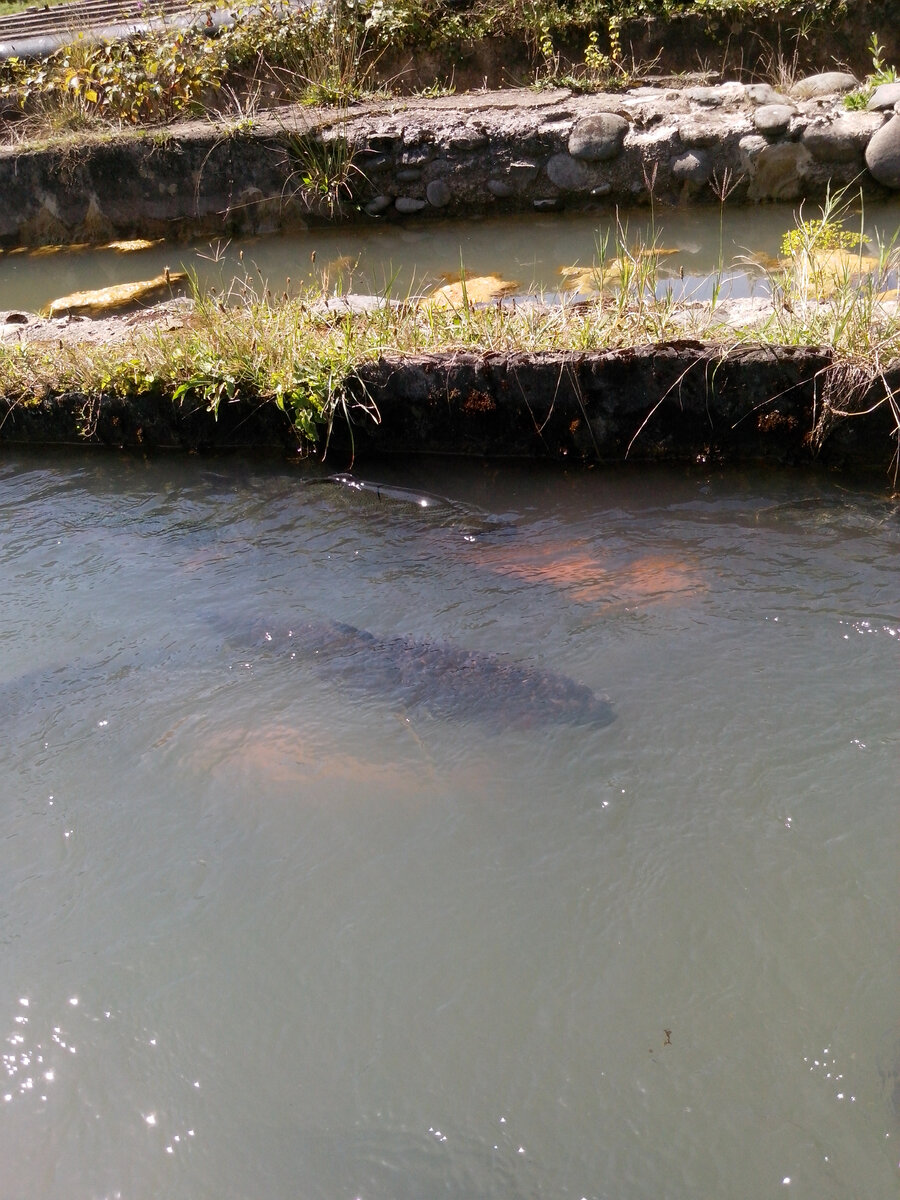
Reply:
x=772, y=120
x=885, y=96
x=827, y=83
x=407, y=205
x=568, y=173
x=883, y=154
x=438, y=193
x=778, y=172
x=763, y=93
x=598, y=138
x=840, y=140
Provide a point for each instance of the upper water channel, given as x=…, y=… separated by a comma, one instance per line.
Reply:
x=705, y=251
x=570, y=870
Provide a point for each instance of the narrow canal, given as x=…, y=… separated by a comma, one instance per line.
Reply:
x=275, y=926
x=701, y=251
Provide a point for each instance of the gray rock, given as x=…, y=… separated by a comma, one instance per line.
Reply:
x=750, y=148
x=408, y=205
x=547, y=204
x=885, y=96
x=692, y=168
x=469, y=139
x=602, y=189
x=568, y=173
x=438, y=193
x=772, y=120
x=500, y=188
x=763, y=93
x=883, y=154
x=713, y=97
x=409, y=175
x=840, y=140
x=706, y=130
x=827, y=83
x=521, y=174
x=778, y=172
x=379, y=205
x=598, y=138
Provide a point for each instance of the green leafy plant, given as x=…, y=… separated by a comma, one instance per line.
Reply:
x=880, y=73
x=819, y=235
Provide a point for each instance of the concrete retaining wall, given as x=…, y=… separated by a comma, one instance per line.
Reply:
x=511, y=151
x=674, y=402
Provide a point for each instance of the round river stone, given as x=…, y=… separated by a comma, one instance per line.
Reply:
x=772, y=120
x=408, y=205
x=886, y=95
x=568, y=173
x=840, y=140
x=598, y=138
x=438, y=193
x=827, y=83
x=883, y=154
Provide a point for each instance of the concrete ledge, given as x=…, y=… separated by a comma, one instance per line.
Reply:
x=672, y=402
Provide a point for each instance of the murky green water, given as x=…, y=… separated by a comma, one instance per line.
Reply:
x=415, y=256
x=267, y=933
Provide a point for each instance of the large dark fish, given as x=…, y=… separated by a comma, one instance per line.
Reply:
x=443, y=680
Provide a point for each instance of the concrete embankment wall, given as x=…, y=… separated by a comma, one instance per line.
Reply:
x=481, y=152
x=674, y=402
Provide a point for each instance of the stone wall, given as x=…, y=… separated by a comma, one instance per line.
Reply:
x=516, y=150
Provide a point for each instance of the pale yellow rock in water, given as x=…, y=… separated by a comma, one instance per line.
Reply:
x=132, y=246
x=118, y=296
x=479, y=289
x=822, y=272
x=610, y=272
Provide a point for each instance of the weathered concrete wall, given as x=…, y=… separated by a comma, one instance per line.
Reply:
x=680, y=401
x=479, y=152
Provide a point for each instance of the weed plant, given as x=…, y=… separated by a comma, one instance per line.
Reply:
x=325, y=53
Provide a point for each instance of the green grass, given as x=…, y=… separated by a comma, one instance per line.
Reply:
x=286, y=349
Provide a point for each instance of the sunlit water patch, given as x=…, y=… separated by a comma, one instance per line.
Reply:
x=270, y=930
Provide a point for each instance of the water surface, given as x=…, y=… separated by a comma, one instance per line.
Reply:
x=707, y=251
x=268, y=935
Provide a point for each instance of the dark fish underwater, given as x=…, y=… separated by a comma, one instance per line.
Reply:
x=443, y=680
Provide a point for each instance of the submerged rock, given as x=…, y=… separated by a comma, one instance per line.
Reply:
x=478, y=289
x=116, y=297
